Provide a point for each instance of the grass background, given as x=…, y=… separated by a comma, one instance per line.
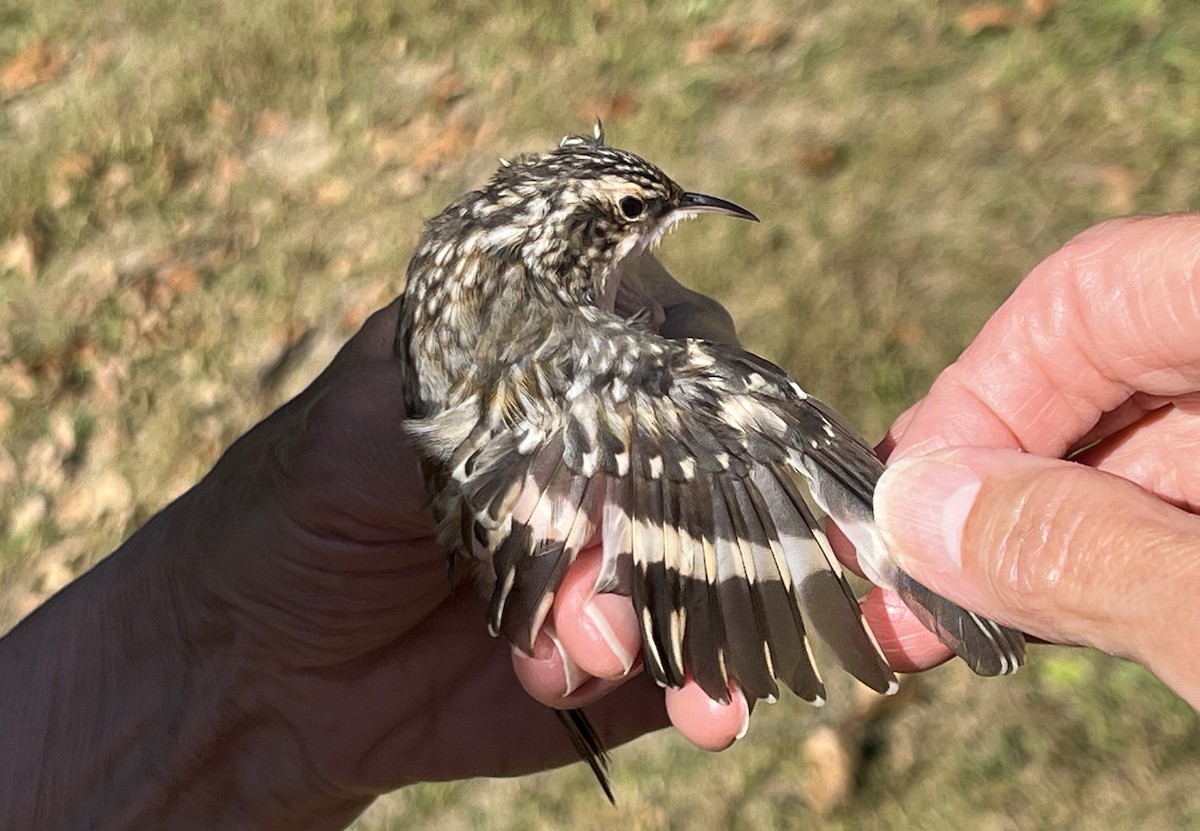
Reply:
x=199, y=202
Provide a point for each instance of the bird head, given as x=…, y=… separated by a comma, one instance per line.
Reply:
x=575, y=214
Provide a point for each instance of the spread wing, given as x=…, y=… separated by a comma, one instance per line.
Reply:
x=682, y=460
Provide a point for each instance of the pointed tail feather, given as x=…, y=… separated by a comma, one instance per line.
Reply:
x=588, y=745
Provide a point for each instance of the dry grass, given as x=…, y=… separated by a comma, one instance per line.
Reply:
x=198, y=202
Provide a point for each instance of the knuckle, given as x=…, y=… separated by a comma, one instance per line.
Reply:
x=1043, y=544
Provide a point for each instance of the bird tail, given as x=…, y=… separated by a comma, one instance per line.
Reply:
x=588, y=745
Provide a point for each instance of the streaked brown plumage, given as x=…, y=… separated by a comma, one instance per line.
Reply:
x=543, y=417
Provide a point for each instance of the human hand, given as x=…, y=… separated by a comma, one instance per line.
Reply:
x=282, y=643
x=1095, y=354
x=312, y=537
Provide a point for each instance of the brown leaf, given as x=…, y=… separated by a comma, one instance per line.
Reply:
x=447, y=143
x=333, y=192
x=222, y=114
x=715, y=40
x=19, y=254
x=36, y=64
x=69, y=171
x=74, y=166
x=1038, y=10
x=448, y=89
x=180, y=277
x=100, y=55
x=830, y=770
x=766, y=36
x=1121, y=186
x=820, y=158
x=986, y=17
x=270, y=123
x=611, y=109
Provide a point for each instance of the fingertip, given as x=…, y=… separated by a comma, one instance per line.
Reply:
x=549, y=675
x=906, y=644
x=710, y=725
x=599, y=631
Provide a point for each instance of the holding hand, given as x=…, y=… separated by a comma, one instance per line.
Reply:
x=1097, y=353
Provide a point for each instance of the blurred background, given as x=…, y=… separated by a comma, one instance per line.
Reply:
x=200, y=201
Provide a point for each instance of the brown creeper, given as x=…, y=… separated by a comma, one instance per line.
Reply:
x=544, y=417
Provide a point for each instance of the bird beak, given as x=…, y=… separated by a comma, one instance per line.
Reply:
x=696, y=203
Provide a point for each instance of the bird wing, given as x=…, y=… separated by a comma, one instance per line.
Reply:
x=681, y=459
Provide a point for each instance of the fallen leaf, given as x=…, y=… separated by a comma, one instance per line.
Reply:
x=448, y=89
x=27, y=514
x=270, y=123
x=222, y=114
x=611, y=109
x=74, y=167
x=986, y=17
x=817, y=159
x=715, y=40
x=448, y=143
x=100, y=55
x=766, y=36
x=180, y=277
x=334, y=192
x=1121, y=186
x=93, y=498
x=830, y=770
x=36, y=64
x=1038, y=10
x=19, y=254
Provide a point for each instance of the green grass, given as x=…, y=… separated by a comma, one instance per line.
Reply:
x=207, y=182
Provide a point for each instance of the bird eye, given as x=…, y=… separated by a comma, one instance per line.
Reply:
x=632, y=207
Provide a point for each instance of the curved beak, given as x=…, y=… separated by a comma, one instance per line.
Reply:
x=695, y=203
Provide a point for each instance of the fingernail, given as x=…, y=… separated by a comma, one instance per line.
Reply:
x=921, y=508
x=573, y=676
x=601, y=611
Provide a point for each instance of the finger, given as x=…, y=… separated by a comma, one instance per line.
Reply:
x=551, y=675
x=599, y=632
x=1128, y=413
x=843, y=549
x=1160, y=453
x=687, y=313
x=906, y=644
x=710, y=725
x=1053, y=548
x=887, y=444
x=1112, y=313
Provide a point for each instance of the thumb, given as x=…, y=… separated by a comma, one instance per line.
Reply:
x=1062, y=551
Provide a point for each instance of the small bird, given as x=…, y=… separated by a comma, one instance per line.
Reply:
x=544, y=415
